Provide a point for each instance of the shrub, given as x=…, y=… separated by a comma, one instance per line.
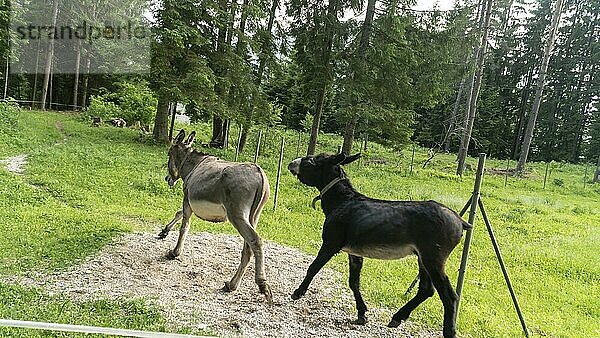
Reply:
x=137, y=102
x=99, y=107
x=131, y=102
x=8, y=116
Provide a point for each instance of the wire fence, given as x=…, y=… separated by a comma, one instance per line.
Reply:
x=90, y=329
x=39, y=104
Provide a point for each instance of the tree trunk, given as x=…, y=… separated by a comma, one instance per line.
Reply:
x=51, y=89
x=262, y=65
x=239, y=48
x=35, y=76
x=314, y=130
x=244, y=137
x=365, y=36
x=471, y=70
x=226, y=125
x=218, y=132
x=216, y=139
x=540, y=88
x=521, y=118
x=263, y=60
x=161, y=121
x=86, y=80
x=452, y=126
x=597, y=174
x=589, y=71
x=76, y=75
x=239, y=51
x=326, y=57
x=470, y=74
x=349, y=136
x=230, y=30
x=49, y=58
x=172, y=111
x=506, y=17
x=6, y=75
x=475, y=86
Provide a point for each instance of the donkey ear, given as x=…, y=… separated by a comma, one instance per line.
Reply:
x=350, y=159
x=338, y=159
x=190, y=139
x=179, y=138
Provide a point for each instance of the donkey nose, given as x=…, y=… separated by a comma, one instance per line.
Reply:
x=170, y=180
x=294, y=166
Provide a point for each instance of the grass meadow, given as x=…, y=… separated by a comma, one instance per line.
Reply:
x=84, y=185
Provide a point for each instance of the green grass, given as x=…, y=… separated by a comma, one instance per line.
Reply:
x=78, y=195
x=34, y=305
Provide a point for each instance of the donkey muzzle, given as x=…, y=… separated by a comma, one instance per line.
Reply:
x=170, y=180
x=294, y=166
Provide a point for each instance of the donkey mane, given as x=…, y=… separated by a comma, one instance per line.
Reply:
x=197, y=152
x=197, y=155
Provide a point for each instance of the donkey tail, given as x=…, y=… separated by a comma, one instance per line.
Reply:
x=466, y=226
x=260, y=197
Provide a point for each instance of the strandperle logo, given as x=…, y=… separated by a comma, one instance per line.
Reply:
x=66, y=36
x=85, y=31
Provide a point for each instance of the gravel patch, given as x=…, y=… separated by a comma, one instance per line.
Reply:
x=189, y=289
x=15, y=164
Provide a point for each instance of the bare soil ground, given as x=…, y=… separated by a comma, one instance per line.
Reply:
x=15, y=164
x=189, y=289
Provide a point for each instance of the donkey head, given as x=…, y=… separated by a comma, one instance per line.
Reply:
x=318, y=171
x=178, y=152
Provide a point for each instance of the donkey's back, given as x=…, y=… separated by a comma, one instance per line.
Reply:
x=394, y=229
x=215, y=186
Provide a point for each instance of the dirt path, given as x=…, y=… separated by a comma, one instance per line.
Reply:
x=15, y=164
x=188, y=289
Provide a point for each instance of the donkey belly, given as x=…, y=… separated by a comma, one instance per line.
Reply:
x=381, y=251
x=209, y=211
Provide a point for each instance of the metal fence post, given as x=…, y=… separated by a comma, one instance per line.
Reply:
x=278, y=173
x=412, y=160
x=469, y=235
x=257, y=146
x=546, y=174
x=597, y=173
x=239, y=141
x=506, y=172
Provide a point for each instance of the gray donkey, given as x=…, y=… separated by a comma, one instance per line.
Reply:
x=215, y=191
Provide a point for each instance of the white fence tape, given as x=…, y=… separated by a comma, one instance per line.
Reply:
x=91, y=329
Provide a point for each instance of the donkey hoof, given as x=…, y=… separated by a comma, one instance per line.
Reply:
x=163, y=234
x=266, y=290
x=171, y=255
x=360, y=321
x=227, y=287
x=297, y=294
x=393, y=323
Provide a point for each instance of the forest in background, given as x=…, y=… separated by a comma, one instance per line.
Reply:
x=374, y=69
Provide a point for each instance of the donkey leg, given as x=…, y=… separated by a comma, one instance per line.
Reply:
x=168, y=227
x=185, y=226
x=325, y=254
x=356, y=263
x=237, y=278
x=447, y=295
x=252, y=238
x=425, y=291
